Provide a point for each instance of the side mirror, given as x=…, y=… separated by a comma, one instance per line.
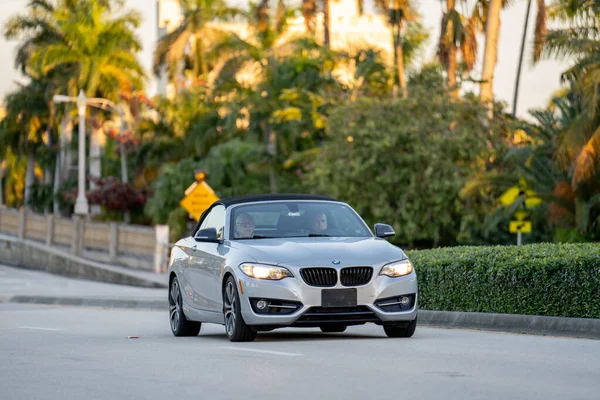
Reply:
x=207, y=235
x=384, y=231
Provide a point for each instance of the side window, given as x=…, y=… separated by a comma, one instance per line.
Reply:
x=215, y=219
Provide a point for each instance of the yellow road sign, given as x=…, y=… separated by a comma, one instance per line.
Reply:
x=521, y=215
x=198, y=197
x=531, y=199
x=519, y=226
x=510, y=196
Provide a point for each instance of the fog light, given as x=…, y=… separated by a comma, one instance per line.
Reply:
x=262, y=304
x=404, y=301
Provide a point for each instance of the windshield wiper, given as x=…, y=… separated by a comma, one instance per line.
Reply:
x=317, y=235
x=262, y=237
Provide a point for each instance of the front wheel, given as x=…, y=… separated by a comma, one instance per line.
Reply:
x=235, y=327
x=395, y=331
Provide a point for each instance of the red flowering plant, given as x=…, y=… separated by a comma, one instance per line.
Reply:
x=115, y=195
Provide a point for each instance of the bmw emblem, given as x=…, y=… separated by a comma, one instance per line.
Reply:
x=336, y=262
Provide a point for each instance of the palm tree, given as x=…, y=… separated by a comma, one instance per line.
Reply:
x=22, y=128
x=85, y=40
x=195, y=32
x=309, y=9
x=278, y=66
x=459, y=34
x=580, y=42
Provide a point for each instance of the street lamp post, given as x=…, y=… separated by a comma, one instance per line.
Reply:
x=81, y=204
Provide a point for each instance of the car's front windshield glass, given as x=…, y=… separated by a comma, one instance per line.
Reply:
x=295, y=219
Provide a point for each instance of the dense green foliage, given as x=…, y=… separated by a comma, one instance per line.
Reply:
x=537, y=279
x=404, y=162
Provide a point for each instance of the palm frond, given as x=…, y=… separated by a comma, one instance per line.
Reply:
x=587, y=162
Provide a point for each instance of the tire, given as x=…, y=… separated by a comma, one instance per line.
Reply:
x=180, y=325
x=235, y=327
x=333, y=328
x=404, y=331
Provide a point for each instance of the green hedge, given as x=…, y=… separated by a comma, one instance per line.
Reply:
x=538, y=279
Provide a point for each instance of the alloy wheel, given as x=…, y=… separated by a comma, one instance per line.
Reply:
x=175, y=305
x=230, y=309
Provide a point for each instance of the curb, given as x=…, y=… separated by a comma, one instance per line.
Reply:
x=587, y=328
x=154, y=305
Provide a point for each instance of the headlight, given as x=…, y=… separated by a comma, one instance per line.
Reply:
x=260, y=271
x=398, y=268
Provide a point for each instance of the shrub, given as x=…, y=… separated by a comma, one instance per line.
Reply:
x=537, y=279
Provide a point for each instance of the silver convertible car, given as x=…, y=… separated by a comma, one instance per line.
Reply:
x=261, y=262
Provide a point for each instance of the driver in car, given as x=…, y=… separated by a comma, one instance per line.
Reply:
x=244, y=226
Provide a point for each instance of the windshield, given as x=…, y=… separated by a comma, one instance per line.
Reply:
x=295, y=219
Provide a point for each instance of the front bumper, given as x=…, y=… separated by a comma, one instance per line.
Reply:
x=294, y=289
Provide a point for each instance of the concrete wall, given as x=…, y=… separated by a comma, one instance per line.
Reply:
x=133, y=246
x=31, y=255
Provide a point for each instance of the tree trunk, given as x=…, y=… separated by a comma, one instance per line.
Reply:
x=326, y=40
x=1, y=184
x=516, y=96
x=491, y=53
x=400, y=65
x=271, y=147
x=452, y=65
x=29, y=177
x=55, y=190
x=95, y=161
x=95, y=157
x=48, y=171
x=202, y=65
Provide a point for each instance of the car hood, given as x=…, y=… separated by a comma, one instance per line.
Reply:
x=320, y=251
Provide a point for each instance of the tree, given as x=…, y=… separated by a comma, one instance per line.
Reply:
x=580, y=41
x=22, y=129
x=400, y=13
x=459, y=34
x=190, y=42
x=436, y=145
x=86, y=39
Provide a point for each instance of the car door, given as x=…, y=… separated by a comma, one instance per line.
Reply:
x=206, y=263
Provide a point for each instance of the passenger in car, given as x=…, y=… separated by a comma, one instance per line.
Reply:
x=244, y=226
x=318, y=222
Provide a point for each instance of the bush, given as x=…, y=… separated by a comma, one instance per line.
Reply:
x=537, y=279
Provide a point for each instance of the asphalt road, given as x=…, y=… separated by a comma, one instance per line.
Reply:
x=49, y=352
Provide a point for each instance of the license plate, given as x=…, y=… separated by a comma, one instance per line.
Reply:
x=338, y=297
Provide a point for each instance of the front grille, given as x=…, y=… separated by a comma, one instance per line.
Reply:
x=323, y=277
x=317, y=316
x=355, y=276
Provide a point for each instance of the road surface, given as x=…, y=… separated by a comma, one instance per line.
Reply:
x=53, y=352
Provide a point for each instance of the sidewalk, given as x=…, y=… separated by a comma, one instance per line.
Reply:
x=26, y=286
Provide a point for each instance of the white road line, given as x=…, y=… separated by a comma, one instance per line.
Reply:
x=279, y=353
x=38, y=328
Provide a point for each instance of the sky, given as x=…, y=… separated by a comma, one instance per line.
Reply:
x=538, y=83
